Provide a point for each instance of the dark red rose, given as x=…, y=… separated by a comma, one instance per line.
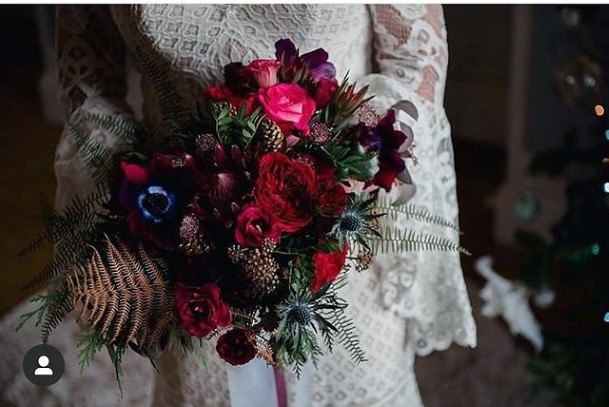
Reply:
x=324, y=92
x=327, y=267
x=254, y=226
x=331, y=198
x=235, y=347
x=286, y=188
x=200, y=309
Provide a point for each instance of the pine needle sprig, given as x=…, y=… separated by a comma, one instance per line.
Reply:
x=235, y=127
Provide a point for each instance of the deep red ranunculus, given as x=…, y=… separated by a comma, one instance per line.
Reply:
x=200, y=309
x=285, y=189
x=331, y=198
x=288, y=105
x=327, y=267
x=264, y=71
x=235, y=347
x=254, y=226
x=325, y=90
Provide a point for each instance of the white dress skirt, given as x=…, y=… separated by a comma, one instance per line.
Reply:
x=404, y=305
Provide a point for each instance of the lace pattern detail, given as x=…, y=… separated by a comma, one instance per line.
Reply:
x=406, y=303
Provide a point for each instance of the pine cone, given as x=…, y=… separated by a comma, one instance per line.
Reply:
x=260, y=271
x=272, y=139
x=194, y=240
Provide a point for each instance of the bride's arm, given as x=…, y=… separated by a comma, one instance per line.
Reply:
x=411, y=56
x=91, y=75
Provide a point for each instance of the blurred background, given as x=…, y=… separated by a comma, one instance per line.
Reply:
x=526, y=99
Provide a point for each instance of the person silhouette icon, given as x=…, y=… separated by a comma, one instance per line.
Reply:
x=43, y=370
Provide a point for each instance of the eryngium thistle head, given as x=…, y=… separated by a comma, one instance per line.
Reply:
x=300, y=313
x=351, y=222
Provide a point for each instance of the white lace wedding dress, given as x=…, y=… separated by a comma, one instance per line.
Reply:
x=406, y=304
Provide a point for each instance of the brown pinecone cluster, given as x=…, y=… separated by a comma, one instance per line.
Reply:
x=260, y=271
x=272, y=139
x=194, y=240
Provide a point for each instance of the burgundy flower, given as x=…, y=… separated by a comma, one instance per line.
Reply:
x=254, y=226
x=200, y=310
x=240, y=79
x=154, y=196
x=316, y=62
x=386, y=140
x=285, y=189
x=235, y=347
x=224, y=180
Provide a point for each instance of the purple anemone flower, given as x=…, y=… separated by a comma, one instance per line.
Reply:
x=316, y=61
x=154, y=196
x=386, y=140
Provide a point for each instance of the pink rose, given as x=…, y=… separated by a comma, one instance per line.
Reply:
x=288, y=105
x=264, y=71
x=254, y=225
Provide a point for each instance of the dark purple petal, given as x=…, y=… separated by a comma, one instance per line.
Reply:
x=314, y=58
x=393, y=139
x=285, y=50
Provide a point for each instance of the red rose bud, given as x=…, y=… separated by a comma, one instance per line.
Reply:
x=265, y=71
x=224, y=94
x=288, y=105
x=285, y=189
x=254, y=226
x=324, y=92
x=200, y=310
x=235, y=347
x=327, y=267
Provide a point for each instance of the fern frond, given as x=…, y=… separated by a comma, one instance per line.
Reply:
x=122, y=293
x=413, y=212
x=53, y=308
x=79, y=215
x=168, y=99
x=394, y=240
x=69, y=230
x=129, y=131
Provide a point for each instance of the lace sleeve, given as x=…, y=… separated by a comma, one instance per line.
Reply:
x=90, y=60
x=411, y=54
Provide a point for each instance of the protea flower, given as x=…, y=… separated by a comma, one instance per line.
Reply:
x=224, y=180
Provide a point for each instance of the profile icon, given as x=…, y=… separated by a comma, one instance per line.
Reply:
x=43, y=370
x=43, y=365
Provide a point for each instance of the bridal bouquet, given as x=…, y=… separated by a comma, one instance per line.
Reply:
x=240, y=225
